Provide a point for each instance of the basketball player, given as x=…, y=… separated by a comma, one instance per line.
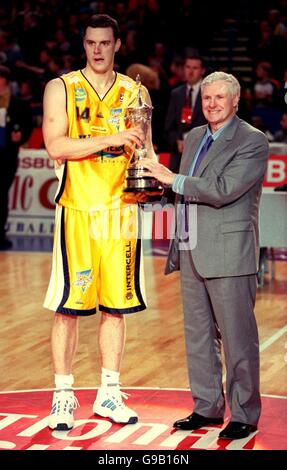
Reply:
x=84, y=131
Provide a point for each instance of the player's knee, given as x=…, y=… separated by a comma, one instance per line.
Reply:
x=63, y=318
x=112, y=317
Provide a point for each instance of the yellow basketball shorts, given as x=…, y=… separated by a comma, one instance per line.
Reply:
x=96, y=263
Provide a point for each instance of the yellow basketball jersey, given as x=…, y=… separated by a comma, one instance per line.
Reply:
x=97, y=181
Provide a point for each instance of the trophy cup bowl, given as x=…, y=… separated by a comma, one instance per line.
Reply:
x=137, y=180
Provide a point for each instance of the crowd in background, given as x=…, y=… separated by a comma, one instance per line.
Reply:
x=41, y=40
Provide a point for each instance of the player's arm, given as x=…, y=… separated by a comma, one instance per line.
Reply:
x=55, y=129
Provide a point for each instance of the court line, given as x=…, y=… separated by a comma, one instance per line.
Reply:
x=273, y=338
x=268, y=342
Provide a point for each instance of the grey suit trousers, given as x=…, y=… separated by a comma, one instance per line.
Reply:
x=215, y=310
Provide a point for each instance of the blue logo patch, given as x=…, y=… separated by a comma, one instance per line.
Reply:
x=80, y=94
x=116, y=112
x=84, y=279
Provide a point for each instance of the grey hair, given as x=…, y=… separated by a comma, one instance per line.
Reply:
x=231, y=81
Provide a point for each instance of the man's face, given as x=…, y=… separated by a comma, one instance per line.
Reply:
x=218, y=105
x=193, y=71
x=100, y=47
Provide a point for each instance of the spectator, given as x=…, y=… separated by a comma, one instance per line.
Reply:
x=184, y=111
x=258, y=122
x=150, y=79
x=281, y=135
x=15, y=129
x=177, y=72
x=265, y=87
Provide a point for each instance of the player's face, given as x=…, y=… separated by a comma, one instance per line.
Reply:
x=100, y=47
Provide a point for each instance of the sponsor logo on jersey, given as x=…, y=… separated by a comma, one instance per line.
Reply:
x=114, y=120
x=80, y=94
x=115, y=116
x=73, y=79
x=125, y=84
x=84, y=279
x=99, y=129
x=116, y=112
x=112, y=152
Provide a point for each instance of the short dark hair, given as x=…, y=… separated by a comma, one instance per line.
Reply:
x=103, y=21
x=195, y=57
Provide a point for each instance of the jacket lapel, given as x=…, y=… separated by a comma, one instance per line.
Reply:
x=219, y=145
x=190, y=148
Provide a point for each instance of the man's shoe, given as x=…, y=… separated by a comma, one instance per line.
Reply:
x=196, y=421
x=236, y=430
x=109, y=404
x=61, y=417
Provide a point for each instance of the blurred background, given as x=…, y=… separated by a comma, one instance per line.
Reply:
x=41, y=40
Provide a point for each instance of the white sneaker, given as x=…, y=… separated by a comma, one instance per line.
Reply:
x=61, y=417
x=109, y=404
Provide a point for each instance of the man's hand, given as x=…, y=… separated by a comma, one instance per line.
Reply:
x=158, y=171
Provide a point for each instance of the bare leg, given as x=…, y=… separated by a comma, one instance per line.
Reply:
x=109, y=402
x=112, y=335
x=64, y=342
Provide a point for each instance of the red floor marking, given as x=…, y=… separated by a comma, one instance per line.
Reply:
x=23, y=424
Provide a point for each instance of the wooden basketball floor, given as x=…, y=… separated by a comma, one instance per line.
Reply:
x=155, y=350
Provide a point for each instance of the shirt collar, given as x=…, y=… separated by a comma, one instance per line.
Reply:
x=218, y=132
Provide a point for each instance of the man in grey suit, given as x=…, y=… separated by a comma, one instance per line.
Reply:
x=221, y=174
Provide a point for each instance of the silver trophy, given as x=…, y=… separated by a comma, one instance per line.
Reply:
x=136, y=175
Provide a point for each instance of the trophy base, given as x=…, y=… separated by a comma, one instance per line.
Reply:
x=138, y=182
x=143, y=185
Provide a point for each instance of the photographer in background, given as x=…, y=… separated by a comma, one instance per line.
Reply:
x=15, y=129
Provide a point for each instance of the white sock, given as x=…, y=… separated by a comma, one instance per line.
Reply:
x=64, y=381
x=110, y=378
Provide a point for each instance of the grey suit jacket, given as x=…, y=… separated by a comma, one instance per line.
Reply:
x=227, y=192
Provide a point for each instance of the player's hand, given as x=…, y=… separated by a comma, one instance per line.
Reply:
x=133, y=137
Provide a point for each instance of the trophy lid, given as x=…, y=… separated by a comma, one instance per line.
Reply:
x=139, y=103
x=138, y=82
